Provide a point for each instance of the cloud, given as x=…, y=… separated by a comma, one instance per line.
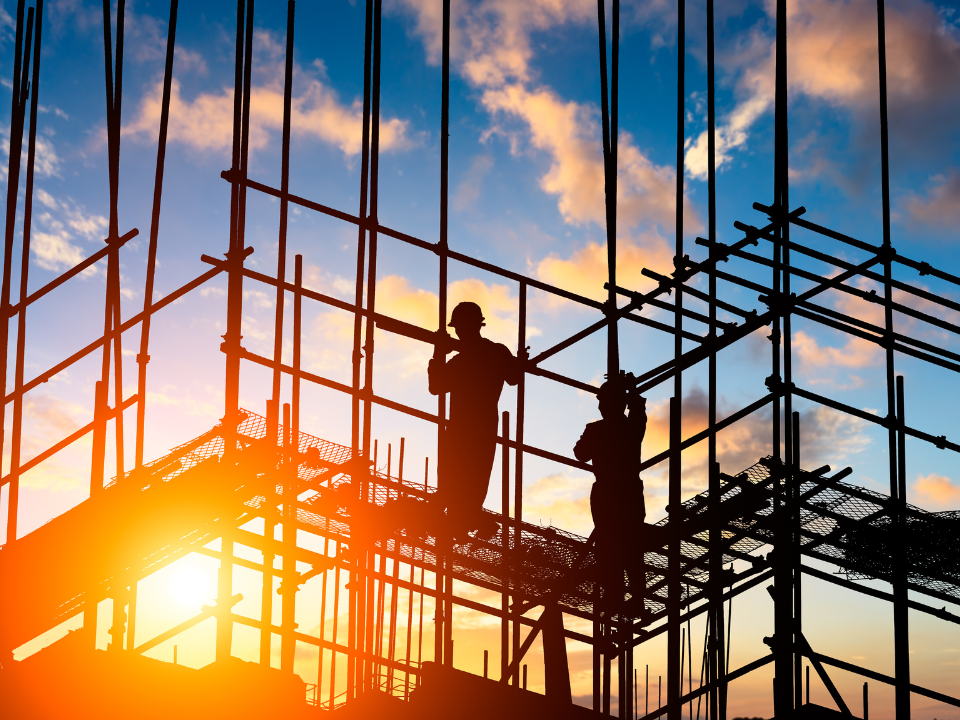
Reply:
x=58, y=223
x=832, y=48
x=941, y=206
x=936, y=491
x=399, y=298
x=585, y=270
x=46, y=162
x=827, y=436
x=855, y=353
x=492, y=49
x=206, y=122
x=561, y=501
x=46, y=421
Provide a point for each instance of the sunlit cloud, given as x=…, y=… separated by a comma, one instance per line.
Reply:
x=936, y=491
x=560, y=500
x=585, y=270
x=491, y=47
x=832, y=58
x=827, y=436
x=205, y=122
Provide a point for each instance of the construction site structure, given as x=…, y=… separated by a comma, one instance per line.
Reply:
x=384, y=552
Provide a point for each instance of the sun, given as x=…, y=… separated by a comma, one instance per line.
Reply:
x=190, y=587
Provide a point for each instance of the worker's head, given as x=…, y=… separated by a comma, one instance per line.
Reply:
x=612, y=397
x=467, y=319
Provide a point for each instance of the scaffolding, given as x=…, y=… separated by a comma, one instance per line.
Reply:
x=251, y=466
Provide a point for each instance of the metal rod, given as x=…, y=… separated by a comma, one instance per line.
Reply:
x=14, y=491
x=443, y=631
x=323, y=618
x=901, y=617
x=357, y=611
x=505, y=551
x=406, y=680
x=336, y=624
x=284, y=188
x=143, y=357
x=674, y=639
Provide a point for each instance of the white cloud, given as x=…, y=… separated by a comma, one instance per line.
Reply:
x=206, y=122
x=492, y=49
x=832, y=49
x=57, y=225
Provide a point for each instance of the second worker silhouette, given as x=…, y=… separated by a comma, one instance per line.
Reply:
x=474, y=378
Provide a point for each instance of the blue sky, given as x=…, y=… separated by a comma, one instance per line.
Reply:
x=526, y=194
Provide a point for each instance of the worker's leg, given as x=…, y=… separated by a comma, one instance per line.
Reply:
x=607, y=546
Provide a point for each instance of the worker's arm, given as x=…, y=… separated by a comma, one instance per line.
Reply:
x=513, y=366
x=637, y=406
x=437, y=374
x=584, y=449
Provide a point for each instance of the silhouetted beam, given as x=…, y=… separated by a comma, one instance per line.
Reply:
x=59, y=367
x=919, y=292
x=727, y=421
x=707, y=687
x=70, y=439
x=843, y=323
x=74, y=271
x=406, y=409
x=173, y=632
x=323, y=643
x=940, y=613
x=398, y=327
x=847, y=320
x=643, y=635
x=941, y=441
x=922, y=267
x=856, y=292
x=253, y=542
x=693, y=315
x=879, y=677
x=432, y=247
x=697, y=294
x=913, y=586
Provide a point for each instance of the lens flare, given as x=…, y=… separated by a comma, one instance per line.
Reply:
x=190, y=587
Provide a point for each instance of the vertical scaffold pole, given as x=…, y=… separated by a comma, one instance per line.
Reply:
x=674, y=688
x=443, y=628
x=232, y=338
x=505, y=547
x=674, y=642
x=14, y=481
x=289, y=476
x=901, y=633
x=518, y=459
x=13, y=186
x=783, y=567
x=357, y=594
x=715, y=645
x=284, y=205
x=288, y=625
x=143, y=357
x=900, y=608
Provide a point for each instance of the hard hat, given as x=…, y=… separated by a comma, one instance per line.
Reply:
x=468, y=313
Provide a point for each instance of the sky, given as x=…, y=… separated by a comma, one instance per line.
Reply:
x=525, y=194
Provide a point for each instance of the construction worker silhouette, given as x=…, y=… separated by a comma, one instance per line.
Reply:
x=612, y=446
x=474, y=378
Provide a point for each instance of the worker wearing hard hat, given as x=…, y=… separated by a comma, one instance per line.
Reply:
x=474, y=377
x=612, y=446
